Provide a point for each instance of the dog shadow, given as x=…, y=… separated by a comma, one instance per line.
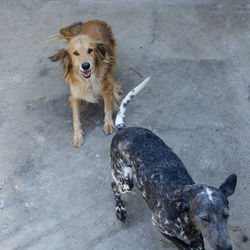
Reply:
x=92, y=115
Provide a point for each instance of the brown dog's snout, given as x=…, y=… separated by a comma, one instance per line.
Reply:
x=86, y=66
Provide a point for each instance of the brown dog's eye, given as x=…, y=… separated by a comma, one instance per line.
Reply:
x=89, y=51
x=76, y=53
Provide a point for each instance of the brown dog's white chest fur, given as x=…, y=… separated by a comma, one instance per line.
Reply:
x=89, y=90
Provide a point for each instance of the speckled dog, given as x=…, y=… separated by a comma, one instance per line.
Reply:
x=183, y=211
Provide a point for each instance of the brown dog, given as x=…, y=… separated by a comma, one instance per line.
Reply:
x=88, y=62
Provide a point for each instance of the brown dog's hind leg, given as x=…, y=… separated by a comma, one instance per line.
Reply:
x=111, y=94
x=78, y=133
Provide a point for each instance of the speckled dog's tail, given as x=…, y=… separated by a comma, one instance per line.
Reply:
x=120, y=117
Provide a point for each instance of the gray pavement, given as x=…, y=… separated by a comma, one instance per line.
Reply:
x=54, y=196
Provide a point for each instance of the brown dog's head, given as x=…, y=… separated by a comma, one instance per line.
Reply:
x=83, y=56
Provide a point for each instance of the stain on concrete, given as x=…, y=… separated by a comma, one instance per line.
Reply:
x=245, y=238
x=58, y=107
x=155, y=24
x=242, y=239
x=26, y=168
x=1, y=119
x=44, y=72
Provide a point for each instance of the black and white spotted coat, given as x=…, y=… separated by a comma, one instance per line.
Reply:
x=159, y=174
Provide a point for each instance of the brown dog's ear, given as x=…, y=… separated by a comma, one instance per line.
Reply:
x=101, y=50
x=63, y=56
x=71, y=30
x=67, y=65
x=59, y=55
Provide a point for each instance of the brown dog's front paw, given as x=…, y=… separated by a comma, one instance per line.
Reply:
x=78, y=139
x=109, y=128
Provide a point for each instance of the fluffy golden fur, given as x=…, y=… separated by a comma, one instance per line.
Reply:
x=88, y=60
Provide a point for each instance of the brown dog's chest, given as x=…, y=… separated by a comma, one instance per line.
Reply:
x=89, y=90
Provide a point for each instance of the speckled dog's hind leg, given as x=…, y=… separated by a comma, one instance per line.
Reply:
x=119, y=207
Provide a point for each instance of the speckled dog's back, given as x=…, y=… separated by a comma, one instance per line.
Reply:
x=145, y=153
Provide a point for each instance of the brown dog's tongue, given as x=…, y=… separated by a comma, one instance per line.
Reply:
x=86, y=73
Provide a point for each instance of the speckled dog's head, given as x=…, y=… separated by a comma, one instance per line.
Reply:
x=207, y=208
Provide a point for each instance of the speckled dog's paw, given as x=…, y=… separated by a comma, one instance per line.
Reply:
x=120, y=211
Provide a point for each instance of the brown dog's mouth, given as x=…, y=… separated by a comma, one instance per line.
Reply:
x=86, y=73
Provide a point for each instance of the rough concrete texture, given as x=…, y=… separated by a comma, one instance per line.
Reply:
x=54, y=196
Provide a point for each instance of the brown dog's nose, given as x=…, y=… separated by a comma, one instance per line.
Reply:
x=85, y=65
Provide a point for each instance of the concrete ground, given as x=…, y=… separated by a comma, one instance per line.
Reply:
x=54, y=196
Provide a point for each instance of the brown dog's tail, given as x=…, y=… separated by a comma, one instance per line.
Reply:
x=67, y=32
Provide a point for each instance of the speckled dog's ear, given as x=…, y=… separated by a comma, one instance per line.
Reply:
x=228, y=187
x=176, y=207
